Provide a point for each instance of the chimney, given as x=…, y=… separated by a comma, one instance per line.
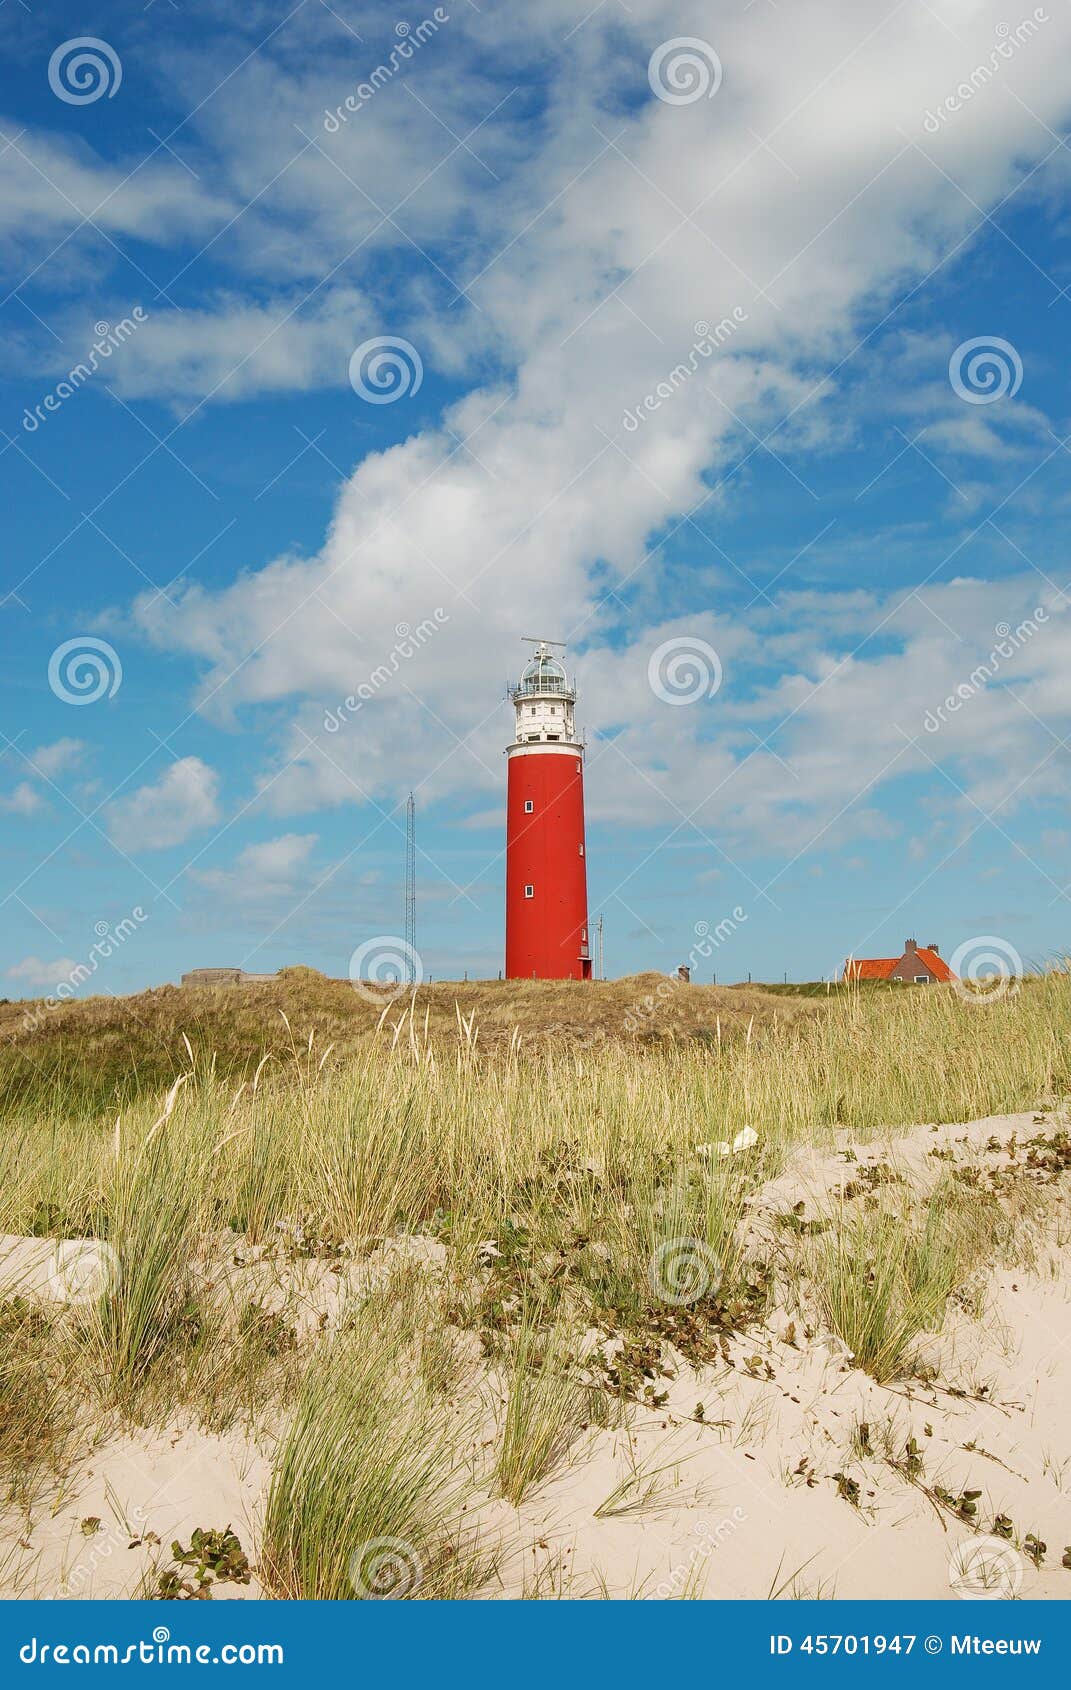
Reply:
x=932, y=946
x=910, y=945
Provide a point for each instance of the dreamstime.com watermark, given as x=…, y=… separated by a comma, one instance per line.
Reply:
x=409, y=642
x=100, y=1547
x=159, y=1651
x=987, y=1569
x=385, y=1569
x=82, y=1270
x=109, y=339
x=1004, y=48
x=386, y=368
x=707, y=940
x=684, y=670
x=985, y=968
x=709, y=1541
x=984, y=370
x=708, y=337
x=409, y=40
x=684, y=70
x=109, y=939
x=84, y=669
x=681, y=1271
x=383, y=967
x=83, y=70
x=1009, y=641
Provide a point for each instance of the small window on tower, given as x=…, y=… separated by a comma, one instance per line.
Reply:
x=529, y=891
x=581, y=850
x=528, y=806
x=531, y=709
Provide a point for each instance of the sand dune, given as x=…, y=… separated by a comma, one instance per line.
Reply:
x=783, y=1470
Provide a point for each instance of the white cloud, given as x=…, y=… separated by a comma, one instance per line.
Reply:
x=231, y=348
x=47, y=761
x=167, y=811
x=32, y=971
x=57, y=757
x=391, y=179
x=270, y=868
x=49, y=185
x=23, y=800
x=595, y=263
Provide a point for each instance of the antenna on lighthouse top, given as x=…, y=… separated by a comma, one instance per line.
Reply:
x=543, y=673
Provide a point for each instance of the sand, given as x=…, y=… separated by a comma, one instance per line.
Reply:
x=744, y=1503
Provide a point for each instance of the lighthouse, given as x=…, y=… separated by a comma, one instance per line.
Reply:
x=546, y=875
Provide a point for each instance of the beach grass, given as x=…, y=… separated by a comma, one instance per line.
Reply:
x=569, y=1210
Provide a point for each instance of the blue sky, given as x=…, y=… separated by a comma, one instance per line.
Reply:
x=829, y=504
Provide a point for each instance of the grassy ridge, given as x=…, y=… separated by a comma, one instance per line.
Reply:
x=562, y=1188
x=105, y=1052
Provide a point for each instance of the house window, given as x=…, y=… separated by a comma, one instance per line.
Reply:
x=922, y=979
x=528, y=806
x=529, y=891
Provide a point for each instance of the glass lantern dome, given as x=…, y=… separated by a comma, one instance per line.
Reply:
x=544, y=674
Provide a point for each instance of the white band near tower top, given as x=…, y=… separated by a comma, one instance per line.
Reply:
x=564, y=749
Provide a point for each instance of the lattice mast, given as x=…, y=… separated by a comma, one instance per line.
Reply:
x=410, y=884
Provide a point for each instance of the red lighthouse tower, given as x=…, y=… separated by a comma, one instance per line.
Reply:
x=546, y=875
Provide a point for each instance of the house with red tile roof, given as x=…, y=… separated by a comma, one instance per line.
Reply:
x=920, y=965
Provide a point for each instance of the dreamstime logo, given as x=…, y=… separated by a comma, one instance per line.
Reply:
x=108, y=340
x=1007, y=45
x=708, y=940
x=386, y=368
x=385, y=964
x=385, y=1569
x=100, y=1548
x=108, y=940
x=682, y=1270
x=1009, y=641
x=684, y=670
x=409, y=40
x=684, y=70
x=709, y=1540
x=707, y=339
x=410, y=639
x=986, y=1569
x=82, y=1270
x=985, y=369
x=84, y=69
x=84, y=669
x=986, y=968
